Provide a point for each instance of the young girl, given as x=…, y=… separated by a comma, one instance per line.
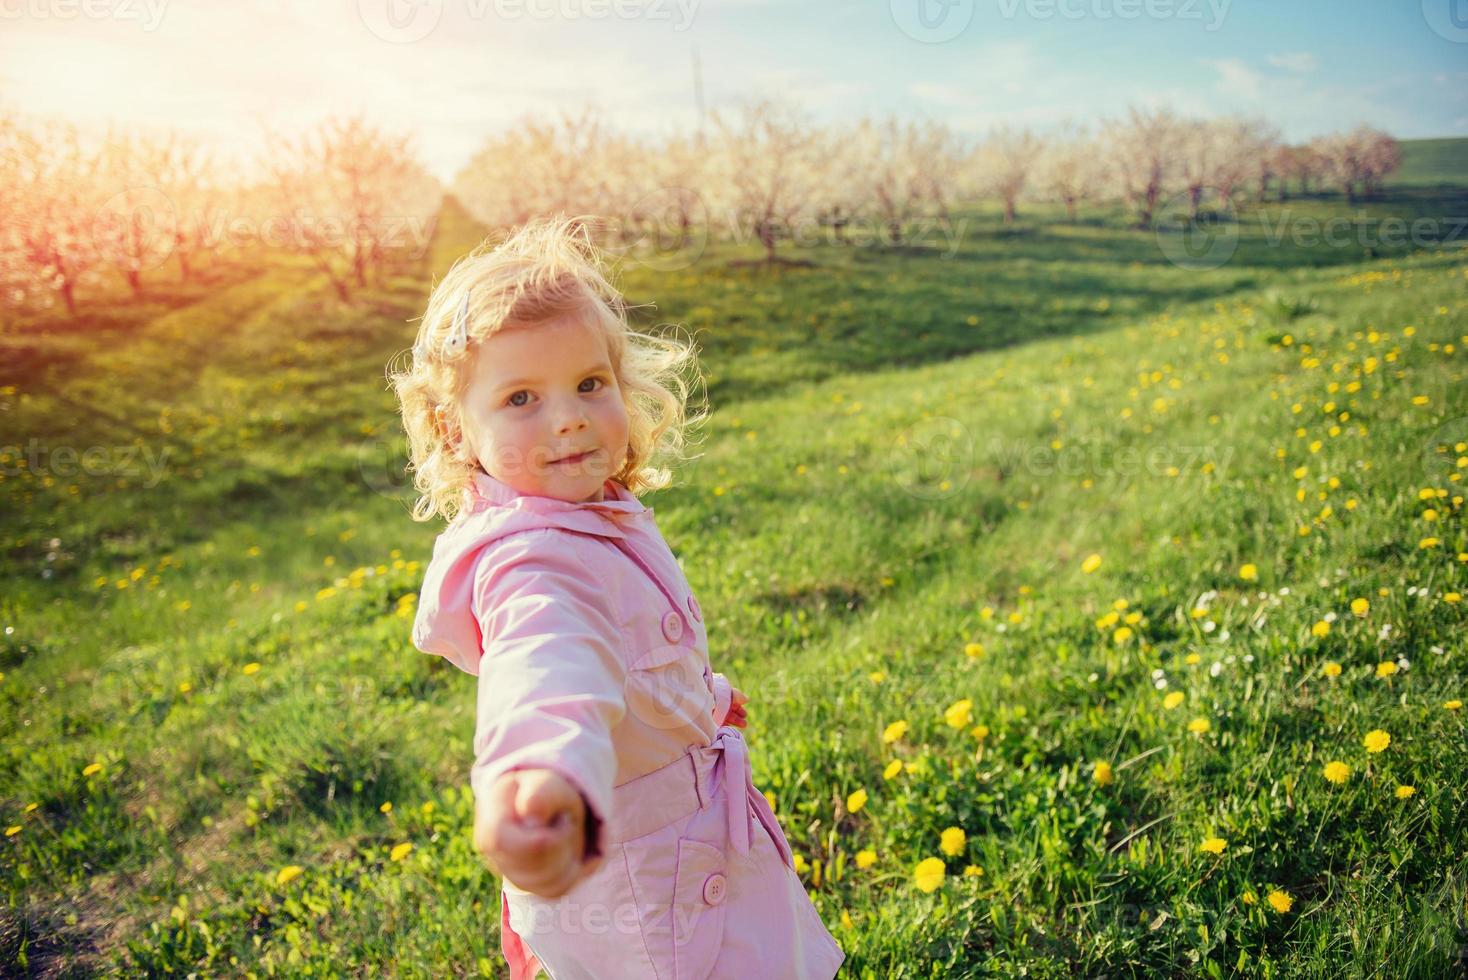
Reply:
x=612, y=784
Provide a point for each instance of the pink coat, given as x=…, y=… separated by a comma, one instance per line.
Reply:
x=592, y=661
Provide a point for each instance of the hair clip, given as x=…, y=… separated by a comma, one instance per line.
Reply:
x=459, y=338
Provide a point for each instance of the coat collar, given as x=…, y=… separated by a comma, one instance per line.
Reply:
x=594, y=516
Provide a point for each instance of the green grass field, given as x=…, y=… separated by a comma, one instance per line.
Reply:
x=223, y=755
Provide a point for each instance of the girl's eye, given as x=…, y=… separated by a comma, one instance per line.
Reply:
x=584, y=390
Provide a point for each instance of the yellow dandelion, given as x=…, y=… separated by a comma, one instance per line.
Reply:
x=1376, y=740
x=401, y=851
x=856, y=801
x=1249, y=572
x=1428, y=543
x=1213, y=845
x=251, y=668
x=866, y=858
x=929, y=873
x=974, y=650
x=1331, y=669
x=1402, y=792
x=980, y=732
x=1386, y=668
x=386, y=807
x=1193, y=659
x=801, y=865
x=893, y=768
x=288, y=873
x=1199, y=726
x=1453, y=705
x=1337, y=772
x=877, y=676
x=894, y=731
x=952, y=841
x=1321, y=628
x=1281, y=901
x=846, y=922
x=1102, y=774
x=93, y=769
x=1122, y=634
x=959, y=714
x=973, y=871
x=1452, y=598
x=1091, y=563
x=1173, y=699
x=1360, y=606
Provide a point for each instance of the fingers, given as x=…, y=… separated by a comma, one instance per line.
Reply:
x=534, y=826
x=542, y=795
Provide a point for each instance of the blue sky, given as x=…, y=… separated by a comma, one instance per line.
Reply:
x=452, y=70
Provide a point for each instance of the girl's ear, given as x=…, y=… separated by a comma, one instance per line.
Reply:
x=446, y=429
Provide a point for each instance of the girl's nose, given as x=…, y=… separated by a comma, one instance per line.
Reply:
x=571, y=418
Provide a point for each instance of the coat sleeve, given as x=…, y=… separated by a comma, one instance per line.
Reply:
x=723, y=695
x=551, y=676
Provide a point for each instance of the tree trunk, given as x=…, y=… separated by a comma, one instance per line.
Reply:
x=1008, y=211
x=767, y=239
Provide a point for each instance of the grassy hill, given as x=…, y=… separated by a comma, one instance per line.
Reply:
x=223, y=755
x=1428, y=163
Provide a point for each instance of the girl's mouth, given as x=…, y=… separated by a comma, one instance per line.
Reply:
x=577, y=458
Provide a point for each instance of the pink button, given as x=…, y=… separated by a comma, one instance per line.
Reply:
x=673, y=627
x=713, y=889
x=693, y=608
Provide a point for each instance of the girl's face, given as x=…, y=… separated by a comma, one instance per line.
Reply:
x=543, y=412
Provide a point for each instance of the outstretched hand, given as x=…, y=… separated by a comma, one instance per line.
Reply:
x=532, y=831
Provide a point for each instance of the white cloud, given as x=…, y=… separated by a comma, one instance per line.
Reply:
x=1299, y=62
x=1236, y=78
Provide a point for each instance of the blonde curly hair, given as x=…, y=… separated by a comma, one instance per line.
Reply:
x=547, y=268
